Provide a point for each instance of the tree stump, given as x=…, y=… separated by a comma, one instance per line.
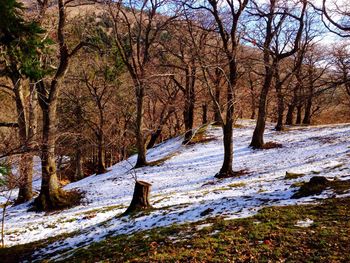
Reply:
x=140, y=199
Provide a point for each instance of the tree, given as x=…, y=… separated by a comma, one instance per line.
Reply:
x=20, y=42
x=179, y=58
x=226, y=18
x=341, y=63
x=161, y=107
x=101, y=81
x=273, y=17
x=336, y=18
x=137, y=26
x=51, y=195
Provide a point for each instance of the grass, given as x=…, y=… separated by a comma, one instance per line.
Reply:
x=237, y=185
x=160, y=161
x=24, y=252
x=201, y=136
x=290, y=176
x=270, y=236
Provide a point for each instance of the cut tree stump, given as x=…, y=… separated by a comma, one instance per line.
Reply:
x=140, y=199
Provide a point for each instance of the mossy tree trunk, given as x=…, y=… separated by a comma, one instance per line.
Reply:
x=26, y=119
x=51, y=195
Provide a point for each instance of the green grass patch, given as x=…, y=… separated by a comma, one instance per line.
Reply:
x=270, y=236
x=21, y=253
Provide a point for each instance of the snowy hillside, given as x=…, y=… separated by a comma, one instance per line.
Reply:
x=184, y=188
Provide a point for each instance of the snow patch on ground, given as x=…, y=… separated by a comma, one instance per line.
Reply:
x=304, y=223
x=184, y=188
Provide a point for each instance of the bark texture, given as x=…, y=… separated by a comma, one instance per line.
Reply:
x=140, y=199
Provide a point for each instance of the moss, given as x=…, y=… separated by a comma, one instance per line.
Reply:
x=271, y=235
x=58, y=200
x=24, y=253
x=290, y=176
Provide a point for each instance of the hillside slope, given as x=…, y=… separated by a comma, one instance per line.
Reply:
x=184, y=188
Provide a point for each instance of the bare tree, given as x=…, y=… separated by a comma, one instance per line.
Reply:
x=225, y=17
x=179, y=58
x=341, y=62
x=272, y=17
x=331, y=11
x=137, y=25
x=161, y=107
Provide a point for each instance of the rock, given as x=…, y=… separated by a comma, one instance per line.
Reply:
x=315, y=186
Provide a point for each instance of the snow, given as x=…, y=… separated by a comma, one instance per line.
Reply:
x=304, y=223
x=183, y=187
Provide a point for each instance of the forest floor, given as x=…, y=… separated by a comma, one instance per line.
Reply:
x=197, y=217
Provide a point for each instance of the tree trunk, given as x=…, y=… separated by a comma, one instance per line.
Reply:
x=280, y=108
x=258, y=135
x=78, y=163
x=101, y=166
x=204, y=113
x=163, y=120
x=290, y=114
x=252, y=116
x=307, y=114
x=51, y=195
x=154, y=136
x=189, y=106
x=299, y=111
x=217, y=114
x=26, y=177
x=140, y=199
x=226, y=169
x=140, y=140
x=26, y=119
x=252, y=99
